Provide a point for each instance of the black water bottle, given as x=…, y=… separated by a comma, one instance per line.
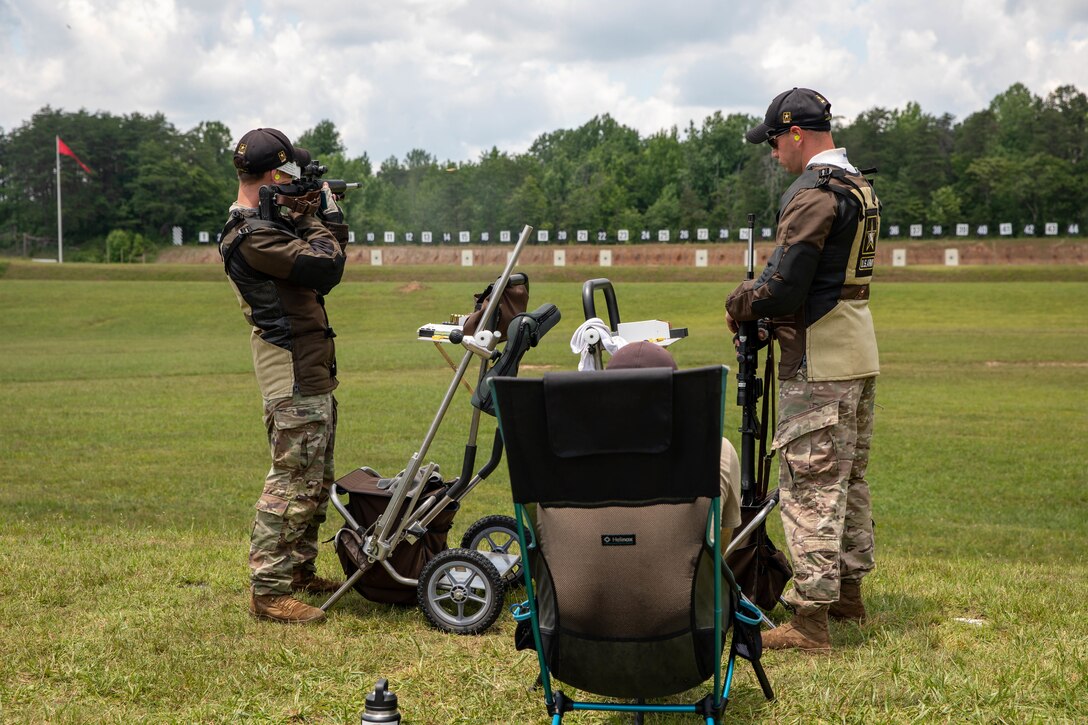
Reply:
x=381, y=705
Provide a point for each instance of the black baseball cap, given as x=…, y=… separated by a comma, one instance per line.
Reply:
x=264, y=149
x=801, y=107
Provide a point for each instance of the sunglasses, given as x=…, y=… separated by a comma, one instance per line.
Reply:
x=772, y=141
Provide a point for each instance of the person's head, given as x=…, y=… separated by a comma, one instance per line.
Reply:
x=797, y=127
x=265, y=155
x=641, y=355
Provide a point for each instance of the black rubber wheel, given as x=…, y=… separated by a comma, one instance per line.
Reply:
x=497, y=533
x=460, y=591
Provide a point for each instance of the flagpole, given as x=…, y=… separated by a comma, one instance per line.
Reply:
x=60, y=232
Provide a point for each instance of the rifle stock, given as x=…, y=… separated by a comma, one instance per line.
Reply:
x=267, y=203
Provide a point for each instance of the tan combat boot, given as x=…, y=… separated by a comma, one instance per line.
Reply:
x=849, y=608
x=807, y=631
x=283, y=608
x=313, y=584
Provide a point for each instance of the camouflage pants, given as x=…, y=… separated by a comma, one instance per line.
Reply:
x=301, y=436
x=824, y=433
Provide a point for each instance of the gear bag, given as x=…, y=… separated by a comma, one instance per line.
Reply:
x=367, y=501
x=514, y=300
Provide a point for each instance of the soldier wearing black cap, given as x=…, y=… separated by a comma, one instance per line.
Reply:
x=815, y=289
x=281, y=269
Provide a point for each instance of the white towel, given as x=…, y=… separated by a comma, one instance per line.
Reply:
x=580, y=346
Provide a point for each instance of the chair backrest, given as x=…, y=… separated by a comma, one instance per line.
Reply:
x=616, y=473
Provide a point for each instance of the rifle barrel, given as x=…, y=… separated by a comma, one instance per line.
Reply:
x=751, y=273
x=338, y=186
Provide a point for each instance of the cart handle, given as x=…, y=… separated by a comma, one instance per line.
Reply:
x=588, y=288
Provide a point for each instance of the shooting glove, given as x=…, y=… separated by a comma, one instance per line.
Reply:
x=328, y=210
x=764, y=333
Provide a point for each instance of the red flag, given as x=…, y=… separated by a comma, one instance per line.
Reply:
x=62, y=148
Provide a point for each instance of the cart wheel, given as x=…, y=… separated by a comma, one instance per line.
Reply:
x=497, y=533
x=460, y=591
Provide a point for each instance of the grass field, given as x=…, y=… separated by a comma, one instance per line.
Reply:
x=132, y=453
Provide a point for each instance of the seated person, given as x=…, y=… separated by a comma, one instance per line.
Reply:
x=652, y=355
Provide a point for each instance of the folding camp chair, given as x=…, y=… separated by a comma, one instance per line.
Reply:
x=616, y=495
x=761, y=570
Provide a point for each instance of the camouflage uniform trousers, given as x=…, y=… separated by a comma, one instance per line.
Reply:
x=301, y=436
x=824, y=433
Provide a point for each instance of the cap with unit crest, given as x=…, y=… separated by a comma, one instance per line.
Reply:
x=801, y=107
x=264, y=149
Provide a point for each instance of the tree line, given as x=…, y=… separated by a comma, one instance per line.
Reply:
x=1017, y=161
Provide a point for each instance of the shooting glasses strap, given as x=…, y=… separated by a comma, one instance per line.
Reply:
x=763, y=475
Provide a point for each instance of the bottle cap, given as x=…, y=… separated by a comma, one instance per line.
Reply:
x=381, y=700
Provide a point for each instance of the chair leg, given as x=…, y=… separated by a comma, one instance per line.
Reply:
x=764, y=683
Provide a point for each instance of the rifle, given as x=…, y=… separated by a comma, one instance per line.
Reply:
x=309, y=182
x=761, y=570
x=749, y=390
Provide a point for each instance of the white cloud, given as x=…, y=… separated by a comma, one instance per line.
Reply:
x=456, y=77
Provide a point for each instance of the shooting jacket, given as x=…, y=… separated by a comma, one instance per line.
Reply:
x=281, y=272
x=815, y=287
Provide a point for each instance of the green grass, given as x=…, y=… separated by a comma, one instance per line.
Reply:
x=132, y=454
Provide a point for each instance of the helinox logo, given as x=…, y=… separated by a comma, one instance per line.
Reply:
x=617, y=539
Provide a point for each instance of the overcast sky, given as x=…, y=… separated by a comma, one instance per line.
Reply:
x=456, y=77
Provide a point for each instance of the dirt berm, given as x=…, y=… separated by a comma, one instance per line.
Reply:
x=1057, y=252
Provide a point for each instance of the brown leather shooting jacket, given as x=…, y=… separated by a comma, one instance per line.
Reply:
x=815, y=287
x=281, y=271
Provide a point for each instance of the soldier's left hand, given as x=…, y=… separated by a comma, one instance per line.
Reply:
x=328, y=210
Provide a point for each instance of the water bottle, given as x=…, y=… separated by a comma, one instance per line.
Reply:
x=381, y=705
